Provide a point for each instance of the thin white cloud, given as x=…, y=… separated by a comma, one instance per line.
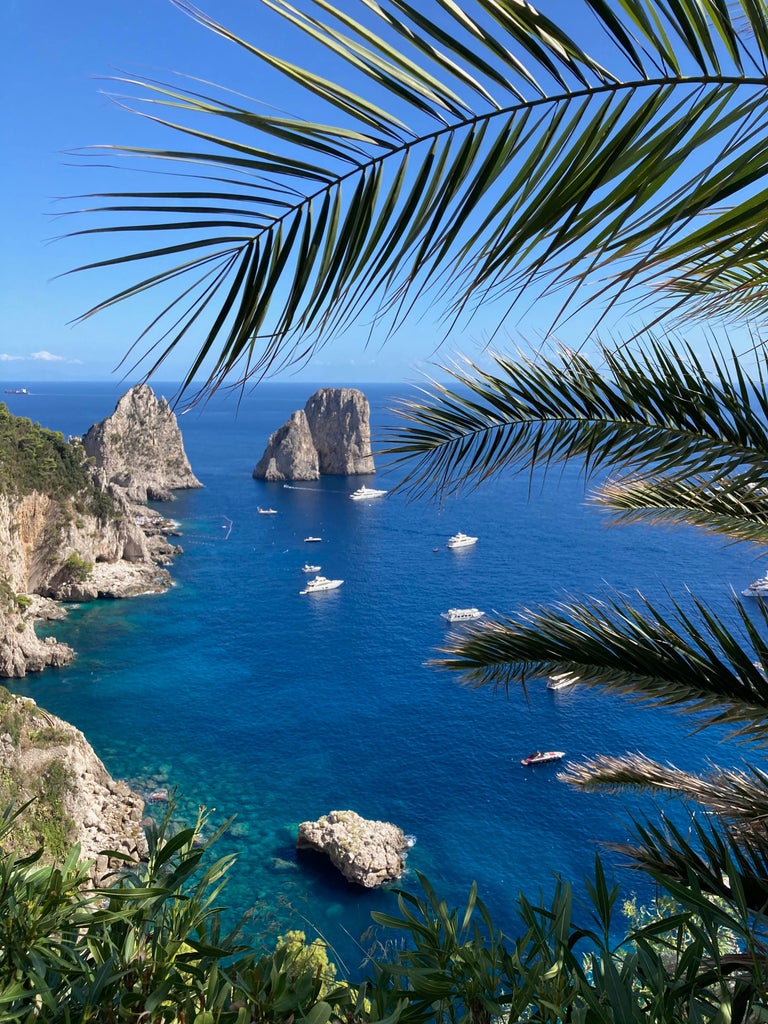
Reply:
x=47, y=357
x=43, y=356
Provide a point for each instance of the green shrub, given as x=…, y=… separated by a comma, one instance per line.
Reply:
x=151, y=948
x=33, y=458
x=78, y=568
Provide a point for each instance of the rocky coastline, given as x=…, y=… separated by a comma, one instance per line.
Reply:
x=88, y=538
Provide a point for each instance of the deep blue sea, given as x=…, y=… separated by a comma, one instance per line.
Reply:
x=274, y=707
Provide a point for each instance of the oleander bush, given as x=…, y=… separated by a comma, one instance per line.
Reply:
x=152, y=948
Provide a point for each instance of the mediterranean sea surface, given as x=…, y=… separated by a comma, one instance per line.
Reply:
x=254, y=701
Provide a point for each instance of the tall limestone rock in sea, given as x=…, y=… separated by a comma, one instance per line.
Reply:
x=332, y=435
x=139, y=448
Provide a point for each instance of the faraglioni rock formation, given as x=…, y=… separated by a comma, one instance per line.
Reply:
x=45, y=757
x=366, y=852
x=139, y=448
x=330, y=435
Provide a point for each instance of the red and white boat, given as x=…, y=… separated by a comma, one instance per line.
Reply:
x=542, y=757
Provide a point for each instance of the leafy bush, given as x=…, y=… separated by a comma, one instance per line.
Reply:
x=78, y=568
x=33, y=458
x=151, y=948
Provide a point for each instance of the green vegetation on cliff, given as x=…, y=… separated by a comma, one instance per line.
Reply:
x=33, y=458
x=38, y=784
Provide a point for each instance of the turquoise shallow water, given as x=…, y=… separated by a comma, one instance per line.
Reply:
x=273, y=707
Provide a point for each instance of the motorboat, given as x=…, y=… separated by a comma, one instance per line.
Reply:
x=320, y=583
x=16, y=391
x=366, y=492
x=310, y=568
x=462, y=614
x=266, y=511
x=561, y=680
x=461, y=540
x=312, y=540
x=757, y=589
x=542, y=757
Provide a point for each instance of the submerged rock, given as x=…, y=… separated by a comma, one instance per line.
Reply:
x=367, y=852
x=330, y=435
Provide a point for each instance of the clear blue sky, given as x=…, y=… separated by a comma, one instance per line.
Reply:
x=56, y=57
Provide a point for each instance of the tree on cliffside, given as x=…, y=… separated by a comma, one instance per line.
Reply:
x=491, y=154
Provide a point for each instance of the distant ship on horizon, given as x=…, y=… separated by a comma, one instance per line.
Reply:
x=17, y=391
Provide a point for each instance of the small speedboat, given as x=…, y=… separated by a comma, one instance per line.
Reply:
x=312, y=540
x=310, y=568
x=266, y=511
x=542, y=757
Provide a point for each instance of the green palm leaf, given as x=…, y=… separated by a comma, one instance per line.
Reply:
x=649, y=407
x=705, y=863
x=737, y=797
x=497, y=153
x=737, y=509
x=690, y=660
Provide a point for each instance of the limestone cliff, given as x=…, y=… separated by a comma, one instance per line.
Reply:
x=67, y=534
x=139, y=448
x=75, y=800
x=290, y=452
x=332, y=435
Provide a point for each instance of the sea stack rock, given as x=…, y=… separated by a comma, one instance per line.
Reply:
x=331, y=435
x=290, y=452
x=139, y=448
x=366, y=852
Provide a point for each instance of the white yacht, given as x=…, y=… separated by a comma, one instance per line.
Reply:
x=312, y=540
x=320, y=583
x=757, y=589
x=366, y=492
x=561, y=680
x=266, y=511
x=461, y=540
x=310, y=568
x=462, y=614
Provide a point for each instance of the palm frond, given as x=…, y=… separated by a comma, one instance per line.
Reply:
x=485, y=149
x=649, y=407
x=737, y=797
x=726, y=286
x=691, y=660
x=704, y=863
x=735, y=508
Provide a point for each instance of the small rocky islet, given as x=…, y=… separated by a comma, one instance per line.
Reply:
x=88, y=534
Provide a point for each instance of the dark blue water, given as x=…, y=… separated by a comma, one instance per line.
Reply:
x=260, y=703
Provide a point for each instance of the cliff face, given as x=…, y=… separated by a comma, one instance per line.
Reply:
x=332, y=435
x=139, y=448
x=290, y=453
x=43, y=757
x=67, y=532
x=340, y=423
